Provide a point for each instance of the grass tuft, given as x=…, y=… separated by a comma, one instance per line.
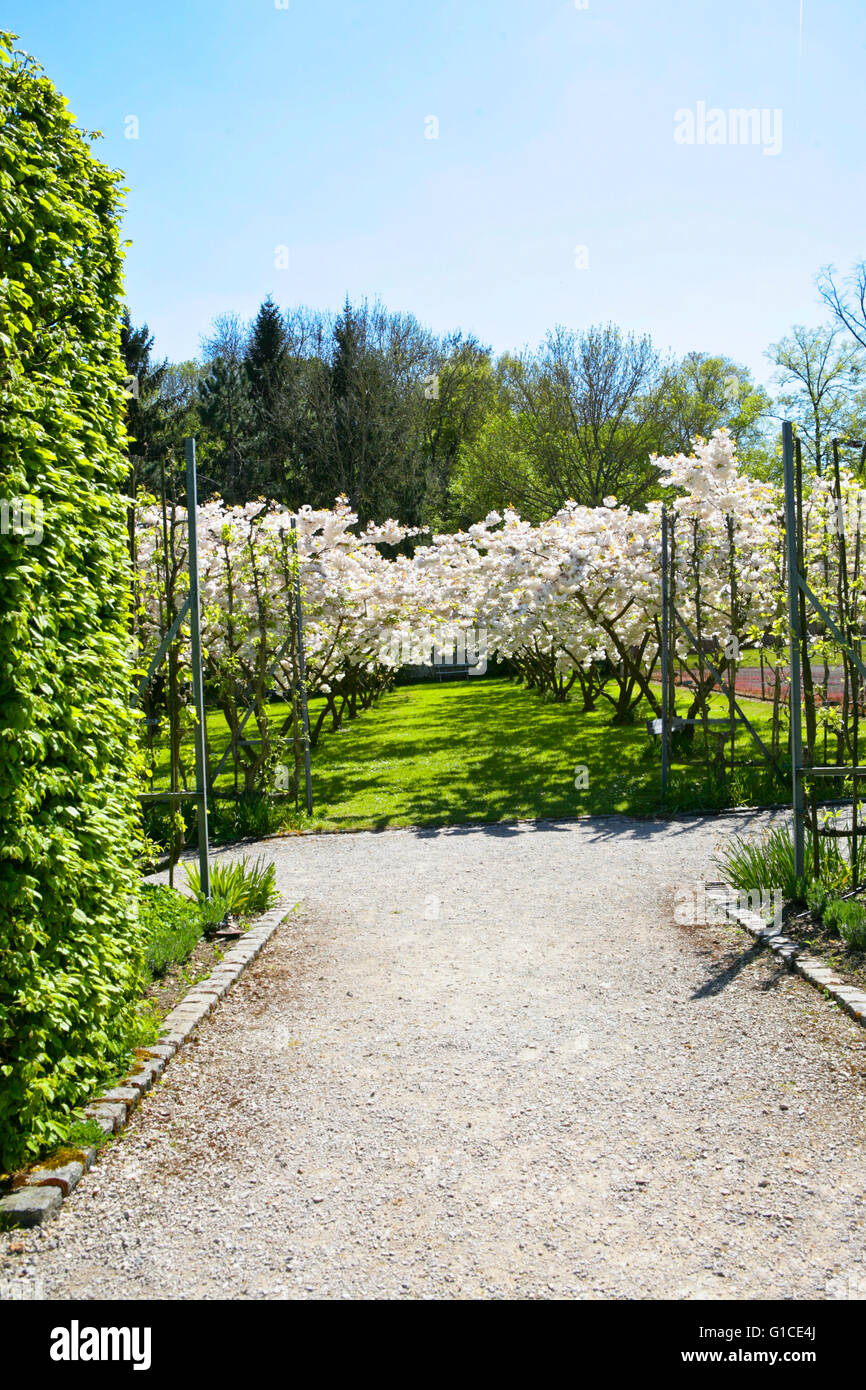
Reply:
x=761, y=865
x=246, y=889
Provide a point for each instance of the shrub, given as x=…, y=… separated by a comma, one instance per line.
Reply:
x=251, y=816
x=171, y=924
x=70, y=956
x=817, y=898
x=212, y=912
x=769, y=863
x=849, y=920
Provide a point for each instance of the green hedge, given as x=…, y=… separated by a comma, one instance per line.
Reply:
x=70, y=945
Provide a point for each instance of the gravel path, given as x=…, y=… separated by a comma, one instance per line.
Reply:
x=486, y=1062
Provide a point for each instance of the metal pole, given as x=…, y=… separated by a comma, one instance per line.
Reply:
x=665, y=624
x=794, y=693
x=302, y=670
x=197, y=683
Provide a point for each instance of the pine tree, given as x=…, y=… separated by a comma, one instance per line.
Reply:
x=224, y=408
x=266, y=359
x=266, y=372
x=148, y=421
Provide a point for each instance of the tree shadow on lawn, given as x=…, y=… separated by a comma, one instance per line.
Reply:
x=490, y=753
x=600, y=828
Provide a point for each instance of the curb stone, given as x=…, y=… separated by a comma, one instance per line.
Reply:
x=66, y=1178
x=43, y=1188
x=29, y=1206
x=799, y=959
x=114, y=1114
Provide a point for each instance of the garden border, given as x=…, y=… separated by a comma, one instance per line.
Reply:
x=40, y=1192
x=799, y=959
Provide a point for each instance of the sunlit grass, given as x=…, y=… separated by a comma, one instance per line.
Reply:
x=489, y=750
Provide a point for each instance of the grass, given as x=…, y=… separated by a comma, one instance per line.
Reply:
x=762, y=865
x=489, y=750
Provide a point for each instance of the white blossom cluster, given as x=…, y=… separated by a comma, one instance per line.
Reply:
x=579, y=588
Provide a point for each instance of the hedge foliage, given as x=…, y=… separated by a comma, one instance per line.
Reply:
x=70, y=943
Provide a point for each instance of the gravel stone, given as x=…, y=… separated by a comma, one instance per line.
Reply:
x=405, y=1101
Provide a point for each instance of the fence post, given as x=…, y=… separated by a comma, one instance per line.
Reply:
x=794, y=692
x=302, y=672
x=665, y=654
x=197, y=683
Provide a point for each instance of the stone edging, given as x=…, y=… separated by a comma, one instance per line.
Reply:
x=797, y=958
x=44, y=1187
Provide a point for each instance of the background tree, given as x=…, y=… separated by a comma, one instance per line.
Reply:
x=303, y=406
x=357, y=412
x=847, y=302
x=266, y=368
x=818, y=373
x=225, y=410
x=593, y=405
x=706, y=392
x=495, y=469
x=458, y=397
x=147, y=420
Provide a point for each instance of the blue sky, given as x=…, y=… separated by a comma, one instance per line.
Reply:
x=305, y=127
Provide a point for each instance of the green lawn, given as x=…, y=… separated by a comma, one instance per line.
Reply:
x=218, y=742
x=489, y=750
